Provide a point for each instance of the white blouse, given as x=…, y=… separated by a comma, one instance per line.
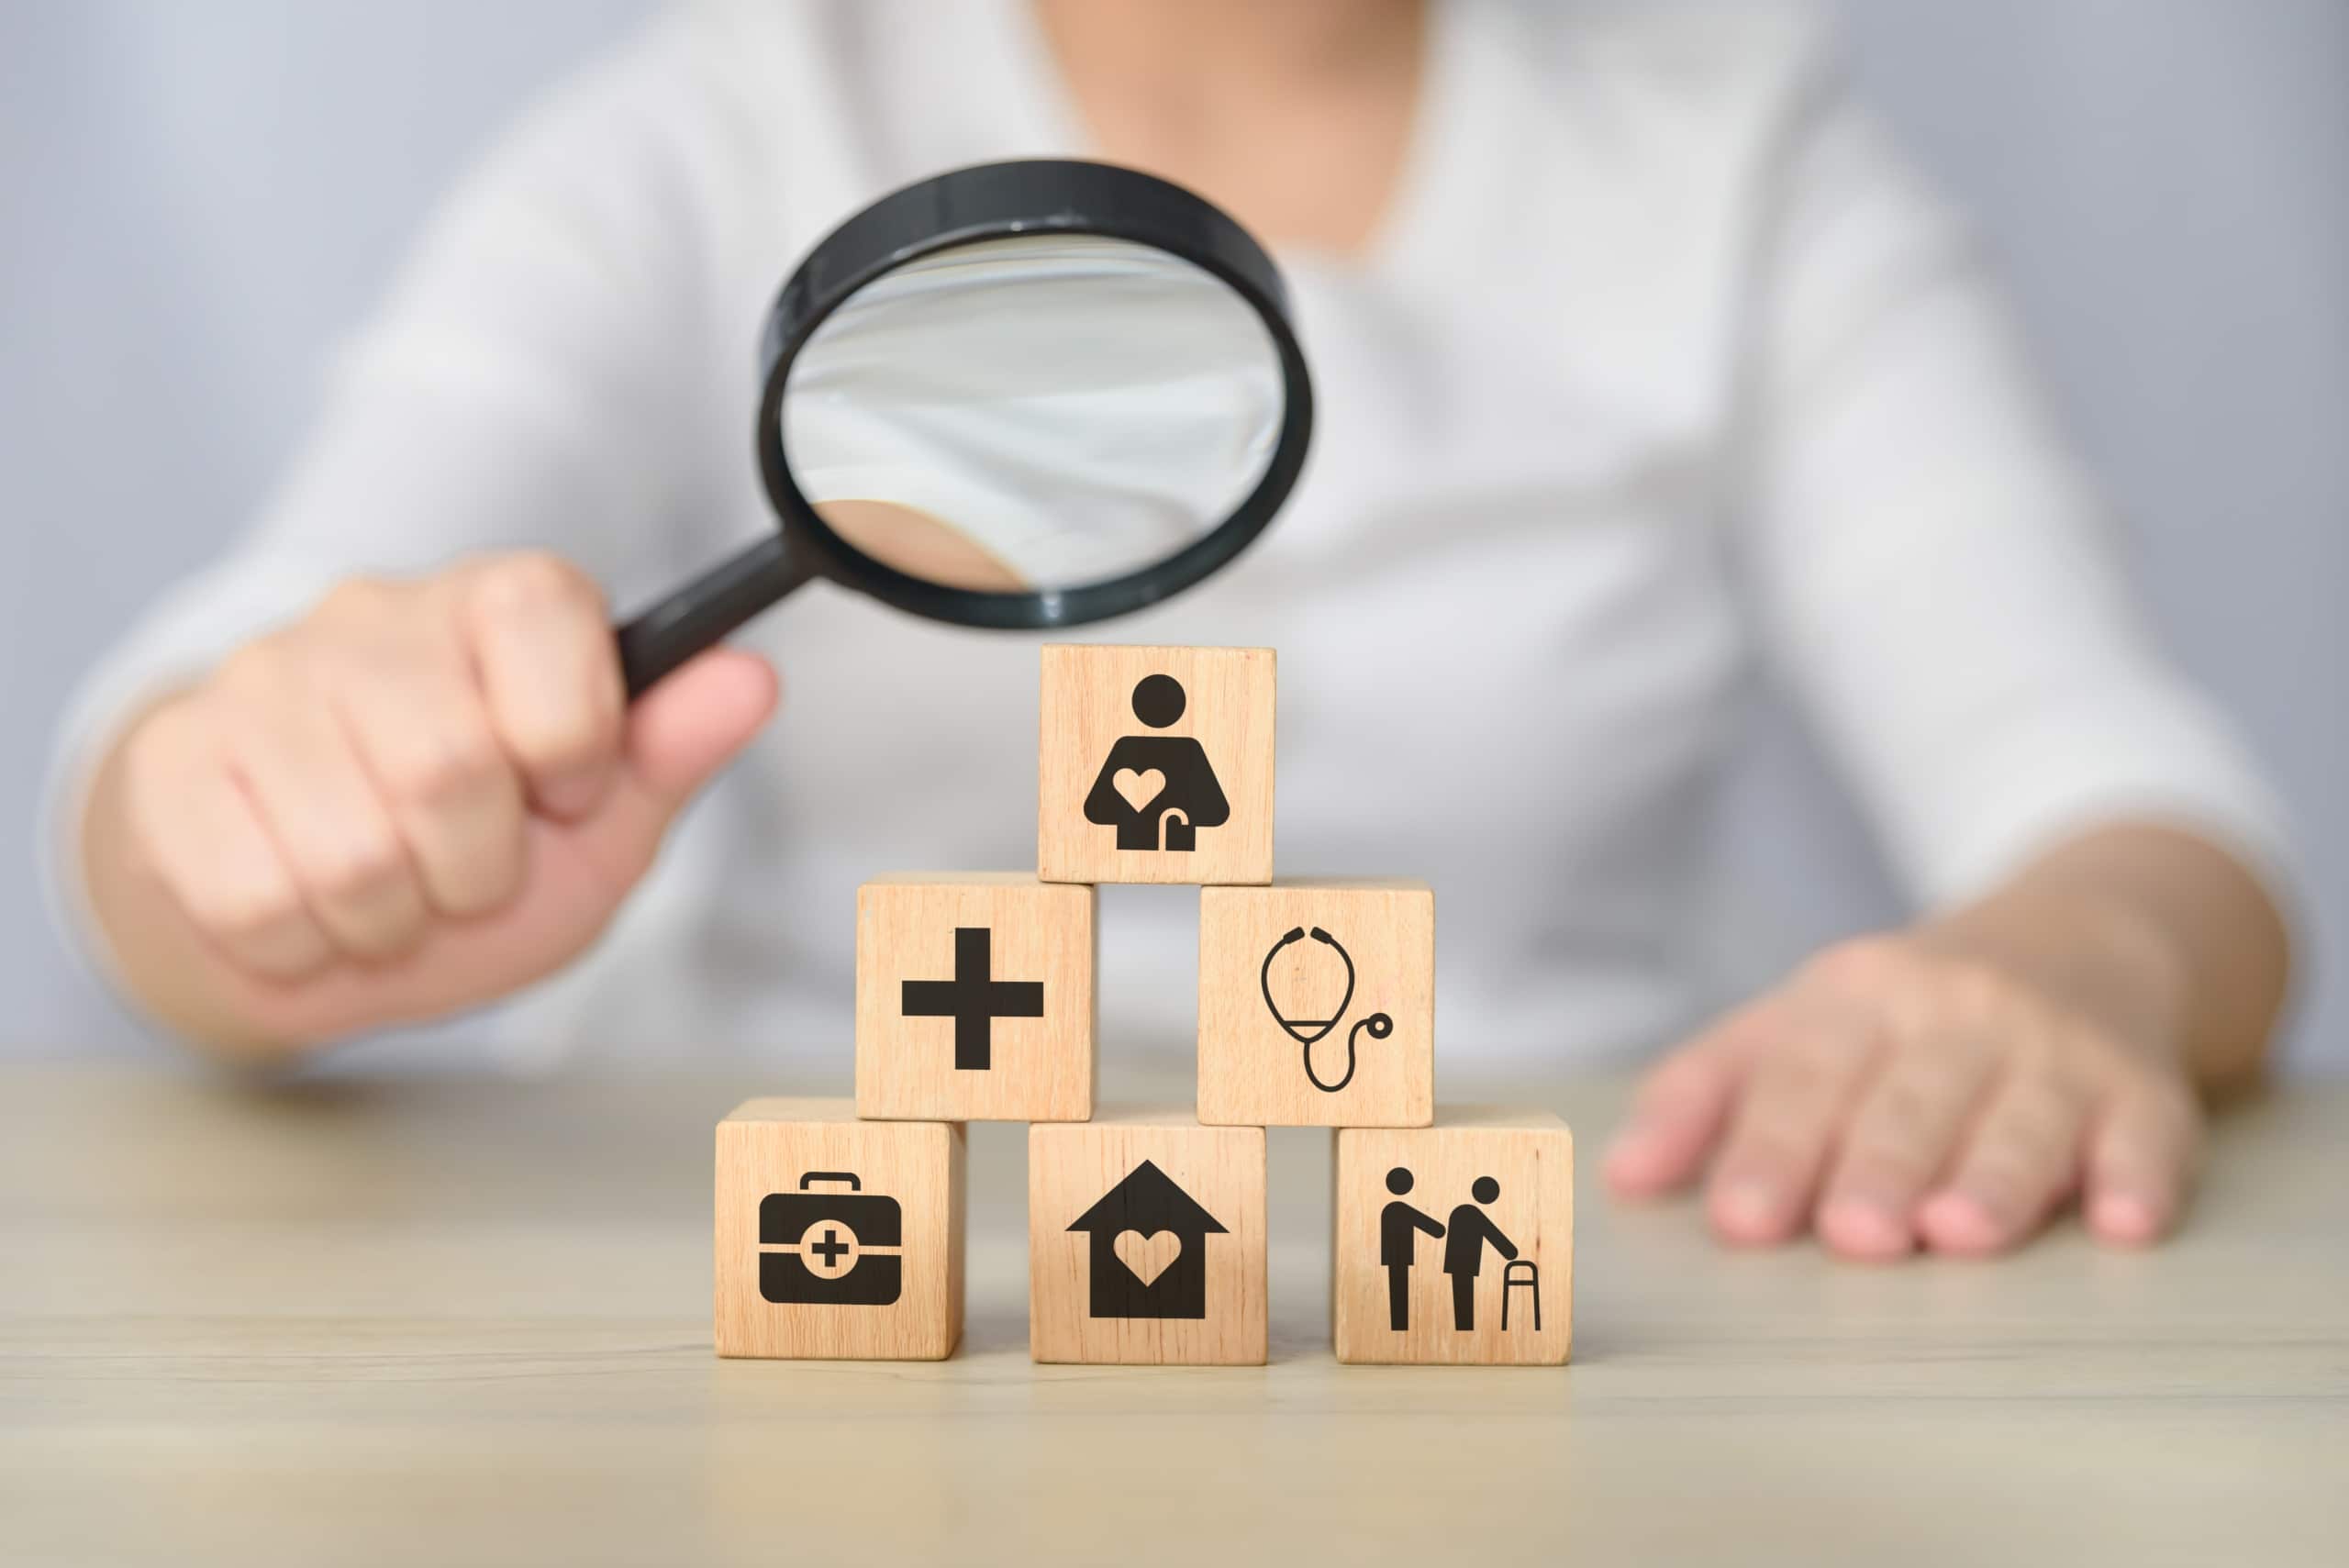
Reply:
x=1663, y=371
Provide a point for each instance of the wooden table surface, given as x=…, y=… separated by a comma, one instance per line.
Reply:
x=456, y=1322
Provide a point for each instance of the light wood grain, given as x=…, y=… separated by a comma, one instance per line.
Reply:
x=1076, y=1175
x=1040, y=1069
x=1252, y=1071
x=814, y=1154
x=466, y=1322
x=1528, y=1155
x=1087, y=705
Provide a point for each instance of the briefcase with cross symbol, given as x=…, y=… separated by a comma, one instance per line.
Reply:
x=828, y=1248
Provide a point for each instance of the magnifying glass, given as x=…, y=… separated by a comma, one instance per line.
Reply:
x=1016, y=396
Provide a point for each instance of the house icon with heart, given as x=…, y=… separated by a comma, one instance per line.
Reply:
x=1149, y=1255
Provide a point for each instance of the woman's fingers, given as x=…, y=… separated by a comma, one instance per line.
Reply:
x=1784, y=1128
x=2141, y=1156
x=207, y=846
x=412, y=710
x=415, y=797
x=1682, y=1103
x=321, y=809
x=1899, y=1142
x=2021, y=1161
x=1899, y=1092
x=551, y=674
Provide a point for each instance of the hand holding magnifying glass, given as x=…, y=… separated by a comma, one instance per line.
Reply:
x=1020, y=395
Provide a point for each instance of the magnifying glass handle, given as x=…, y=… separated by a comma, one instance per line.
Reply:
x=699, y=614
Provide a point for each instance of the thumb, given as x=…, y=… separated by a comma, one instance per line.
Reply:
x=679, y=734
x=692, y=724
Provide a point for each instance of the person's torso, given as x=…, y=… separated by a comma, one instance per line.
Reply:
x=1509, y=640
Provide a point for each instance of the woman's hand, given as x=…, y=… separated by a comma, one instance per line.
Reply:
x=420, y=796
x=1927, y=1090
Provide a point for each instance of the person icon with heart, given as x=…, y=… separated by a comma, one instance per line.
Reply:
x=1157, y=791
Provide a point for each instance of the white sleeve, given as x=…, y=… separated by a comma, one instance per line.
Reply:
x=1935, y=579
x=531, y=382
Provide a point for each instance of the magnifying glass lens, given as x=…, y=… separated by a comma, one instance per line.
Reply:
x=1017, y=395
x=1034, y=413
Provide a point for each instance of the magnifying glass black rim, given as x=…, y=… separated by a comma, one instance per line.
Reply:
x=999, y=201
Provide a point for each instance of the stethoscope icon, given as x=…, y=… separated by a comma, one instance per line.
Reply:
x=1307, y=1032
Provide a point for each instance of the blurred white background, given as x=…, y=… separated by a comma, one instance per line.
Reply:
x=200, y=197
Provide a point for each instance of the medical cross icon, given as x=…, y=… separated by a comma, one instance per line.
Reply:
x=973, y=999
x=830, y=1249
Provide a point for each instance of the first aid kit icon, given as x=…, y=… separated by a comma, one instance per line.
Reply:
x=836, y=1249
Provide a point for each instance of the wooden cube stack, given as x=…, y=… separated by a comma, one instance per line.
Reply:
x=839, y=1227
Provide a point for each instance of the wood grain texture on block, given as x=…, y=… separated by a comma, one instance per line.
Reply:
x=837, y=1237
x=1316, y=1003
x=1156, y=764
x=975, y=999
x=1146, y=1240
x=1455, y=1243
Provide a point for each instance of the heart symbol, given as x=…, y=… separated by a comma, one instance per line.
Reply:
x=1147, y=1257
x=1138, y=788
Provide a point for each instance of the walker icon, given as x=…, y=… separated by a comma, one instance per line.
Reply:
x=1465, y=1234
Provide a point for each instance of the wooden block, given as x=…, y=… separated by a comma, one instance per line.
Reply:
x=975, y=999
x=1350, y=967
x=837, y=1237
x=1496, y=1285
x=1156, y=765
x=1146, y=1240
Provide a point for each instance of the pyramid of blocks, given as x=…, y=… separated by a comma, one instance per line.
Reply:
x=841, y=1224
